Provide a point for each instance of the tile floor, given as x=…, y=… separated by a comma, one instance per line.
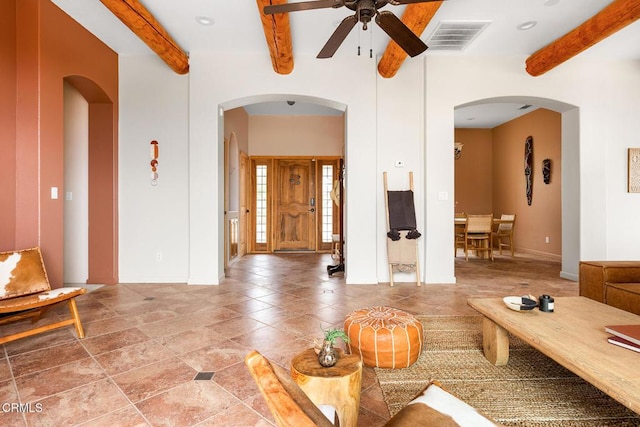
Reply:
x=145, y=343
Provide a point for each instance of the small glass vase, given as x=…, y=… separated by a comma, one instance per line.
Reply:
x=328, y=355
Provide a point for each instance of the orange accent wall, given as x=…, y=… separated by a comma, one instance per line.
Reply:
x=473, y=170
x=503, y=148
x=49, y=47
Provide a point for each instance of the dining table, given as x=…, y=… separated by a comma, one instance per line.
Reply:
x=462, y=220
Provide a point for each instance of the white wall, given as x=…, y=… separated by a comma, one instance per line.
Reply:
x=605, y=129
x=210, y=89
x=153, y=219
x=409, y=118
x=400, y=128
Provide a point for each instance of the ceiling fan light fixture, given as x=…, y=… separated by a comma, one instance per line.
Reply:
x=527, y=25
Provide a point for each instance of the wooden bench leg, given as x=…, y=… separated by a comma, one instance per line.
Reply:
x=73, y=308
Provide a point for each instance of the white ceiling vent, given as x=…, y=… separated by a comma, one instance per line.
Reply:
x=455, y=35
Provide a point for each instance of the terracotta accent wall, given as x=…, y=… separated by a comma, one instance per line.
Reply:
x=296, y=135
x=544, y=217
x=50, y=47
x=501, y=189
x=237, y=121
x=7, y=123
x=473, y=172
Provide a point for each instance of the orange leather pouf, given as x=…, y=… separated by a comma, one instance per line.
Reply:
x=384, y=337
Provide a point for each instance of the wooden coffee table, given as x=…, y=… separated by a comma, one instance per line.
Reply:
x=573, y=335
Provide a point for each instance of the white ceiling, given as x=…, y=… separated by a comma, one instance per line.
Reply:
x=239, y=21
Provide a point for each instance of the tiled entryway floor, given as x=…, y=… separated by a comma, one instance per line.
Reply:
x=145, y=343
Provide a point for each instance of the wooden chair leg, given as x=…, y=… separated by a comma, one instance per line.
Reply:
x=390, y=274
x=73, y=309
x=417, y=267
x=466, y=249
x=491, y=247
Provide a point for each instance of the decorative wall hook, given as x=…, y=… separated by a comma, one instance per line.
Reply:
x=154, y=162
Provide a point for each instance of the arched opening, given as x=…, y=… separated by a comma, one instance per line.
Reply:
x=243, y=130
x=507, y=181
x=91, y=225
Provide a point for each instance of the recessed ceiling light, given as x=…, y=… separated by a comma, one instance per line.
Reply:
x=204, y=20
x=527, y=25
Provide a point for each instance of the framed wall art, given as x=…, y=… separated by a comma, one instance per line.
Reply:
x=633, y=169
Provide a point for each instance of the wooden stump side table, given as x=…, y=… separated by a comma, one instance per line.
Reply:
x=337, y=386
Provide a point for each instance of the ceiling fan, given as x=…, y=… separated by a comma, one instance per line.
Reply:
x=365, y=11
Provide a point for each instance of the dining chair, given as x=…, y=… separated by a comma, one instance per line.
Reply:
x=458, y=233
x=478, y=235
x=505, y=231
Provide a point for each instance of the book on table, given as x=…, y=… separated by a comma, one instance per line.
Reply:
x=627, y=332
x=624, y=343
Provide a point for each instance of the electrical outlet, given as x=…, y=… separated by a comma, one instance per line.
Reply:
x=546, y=239
x=158, y=256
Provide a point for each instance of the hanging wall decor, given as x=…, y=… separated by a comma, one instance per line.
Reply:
x=633, y=170
x=154, y=162
x=546, y=170
x=528, y=167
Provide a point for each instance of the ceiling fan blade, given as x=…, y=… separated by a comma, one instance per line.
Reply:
x=398, y=2
x=338, y=37
x=303, y=5
x=400, y=33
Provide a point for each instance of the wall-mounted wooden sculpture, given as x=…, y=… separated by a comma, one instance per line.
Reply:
x=528, y=167
x=546, y=170
x=154, y=162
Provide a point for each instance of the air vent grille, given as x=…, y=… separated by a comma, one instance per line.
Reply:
x=455, y=35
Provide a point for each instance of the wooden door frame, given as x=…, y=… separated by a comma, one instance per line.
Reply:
x=270, y=162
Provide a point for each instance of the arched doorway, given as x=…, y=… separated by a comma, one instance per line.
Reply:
x=95, y=226
x=236, y=129
x=567, y=166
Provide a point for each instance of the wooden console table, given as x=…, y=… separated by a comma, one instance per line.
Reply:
x=573, y=335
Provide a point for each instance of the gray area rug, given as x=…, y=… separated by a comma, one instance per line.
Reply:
x=531, y=390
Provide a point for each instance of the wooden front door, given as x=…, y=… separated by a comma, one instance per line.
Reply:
x=295, y=206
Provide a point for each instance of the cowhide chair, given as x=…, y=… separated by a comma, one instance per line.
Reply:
x=25, y=293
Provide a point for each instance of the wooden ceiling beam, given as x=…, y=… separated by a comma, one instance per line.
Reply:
x=416, y=16
x=143, y=24
x=612, y=18
x=277, y=32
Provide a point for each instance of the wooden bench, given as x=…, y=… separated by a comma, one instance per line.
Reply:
x=25, y=293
